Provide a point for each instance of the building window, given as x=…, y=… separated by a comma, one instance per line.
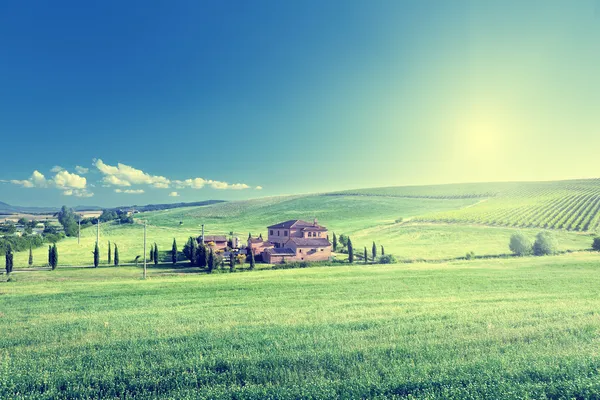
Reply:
x=321, y=249
x=285, y=233
x=299, y=250
x=270, y=232
x=309, y=234
x=278, y=232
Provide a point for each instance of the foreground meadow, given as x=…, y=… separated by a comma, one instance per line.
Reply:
x=503, y=328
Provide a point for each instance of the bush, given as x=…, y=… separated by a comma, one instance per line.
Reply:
x=520, y=245
x=470, y=255
x=545, y=244
x=387, y=259
x=596, y=243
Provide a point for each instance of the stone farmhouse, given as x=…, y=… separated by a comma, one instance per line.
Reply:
x=219, y=241
x=293, y=240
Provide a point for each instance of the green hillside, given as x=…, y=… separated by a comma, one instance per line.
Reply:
x=530, y=324
x=569, y=205
x=417, y=222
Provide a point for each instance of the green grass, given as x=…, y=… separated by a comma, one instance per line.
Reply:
x=414, y=241
x=494, y=329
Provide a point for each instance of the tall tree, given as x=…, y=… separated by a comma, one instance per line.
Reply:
x=109, y=253
x=116, y=256
x=30, y=257
x=54, y=256
x=366, y=255
x=251, y=260
x=151, y=253
x=334, y=242
x=155, y=254
x=350, y=251
x=374, y=251
x=174, y=252
x=231, y=262
x=50, y=255
x=382, y=251
x=96, y=255
x=9, y=260
x=211, y=261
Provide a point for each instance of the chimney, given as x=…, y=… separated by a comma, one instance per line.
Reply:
x=315, y=222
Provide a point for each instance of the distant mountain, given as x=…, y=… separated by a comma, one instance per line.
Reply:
x=168, y=206
x=9, y=209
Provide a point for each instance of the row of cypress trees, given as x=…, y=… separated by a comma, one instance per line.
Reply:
x=96, y=254
x=346, y=241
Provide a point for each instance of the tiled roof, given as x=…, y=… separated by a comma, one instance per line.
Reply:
x=294, y=223
x=214, y=238
x=282, y=251
x=310, y=242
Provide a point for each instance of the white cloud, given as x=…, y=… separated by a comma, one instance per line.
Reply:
x=71, y=184
x=67, y=180
x=81, y=170
x=173, y=194
x=114, y=181
x=77, y=193
x=130, y=191
x=56, y=168
x=126, y=175
x=258, y=188
x=37, y=179
x=199, y=183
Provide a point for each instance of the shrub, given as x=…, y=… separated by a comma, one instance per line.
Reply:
x=387, y=259
x=545, y=244
x=596, y=243
x=519, y=244
x=470, y=255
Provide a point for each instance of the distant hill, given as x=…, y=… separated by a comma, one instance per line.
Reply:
x=168, y=206
x=10, y=209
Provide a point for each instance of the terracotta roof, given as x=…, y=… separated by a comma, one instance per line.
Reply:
x=294, y=223
x=214, y=238
x=310, y=242
x=314, y=228
x=282, y=251
x=255, y=240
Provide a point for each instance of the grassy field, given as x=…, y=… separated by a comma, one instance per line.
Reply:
x=438, y=222
x=494, y=329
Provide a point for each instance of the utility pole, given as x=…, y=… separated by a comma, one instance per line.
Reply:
x=144, y=249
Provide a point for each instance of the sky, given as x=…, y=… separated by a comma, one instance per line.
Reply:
x=115, y=103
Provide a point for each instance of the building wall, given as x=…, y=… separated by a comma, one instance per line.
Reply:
x=310, y=254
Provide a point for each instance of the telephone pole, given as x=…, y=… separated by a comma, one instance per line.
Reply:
x=144, y=249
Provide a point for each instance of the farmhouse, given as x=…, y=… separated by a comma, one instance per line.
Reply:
x=296, y=240
x=219, y=242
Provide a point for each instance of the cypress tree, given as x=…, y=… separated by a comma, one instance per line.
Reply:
x=231, y=262
x=350, y=252
x=207, y=251
x=155, y=254
x=374, y=251
x=96, y=255
x=174, y=252
x=249, y=235
x=109, y=253
x=211, y=261
x=49, y=255
x=251, y=260
x=366, y=256
x=334, y=242
x=54, y=256
x=194, y=251
x=151, y=253
x=8, y=260
x=30, y=257
x=116, y=256
x=382, y=251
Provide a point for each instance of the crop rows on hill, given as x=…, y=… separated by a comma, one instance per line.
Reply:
x=573, y=206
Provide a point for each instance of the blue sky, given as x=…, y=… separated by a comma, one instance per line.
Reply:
x=143, y=102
